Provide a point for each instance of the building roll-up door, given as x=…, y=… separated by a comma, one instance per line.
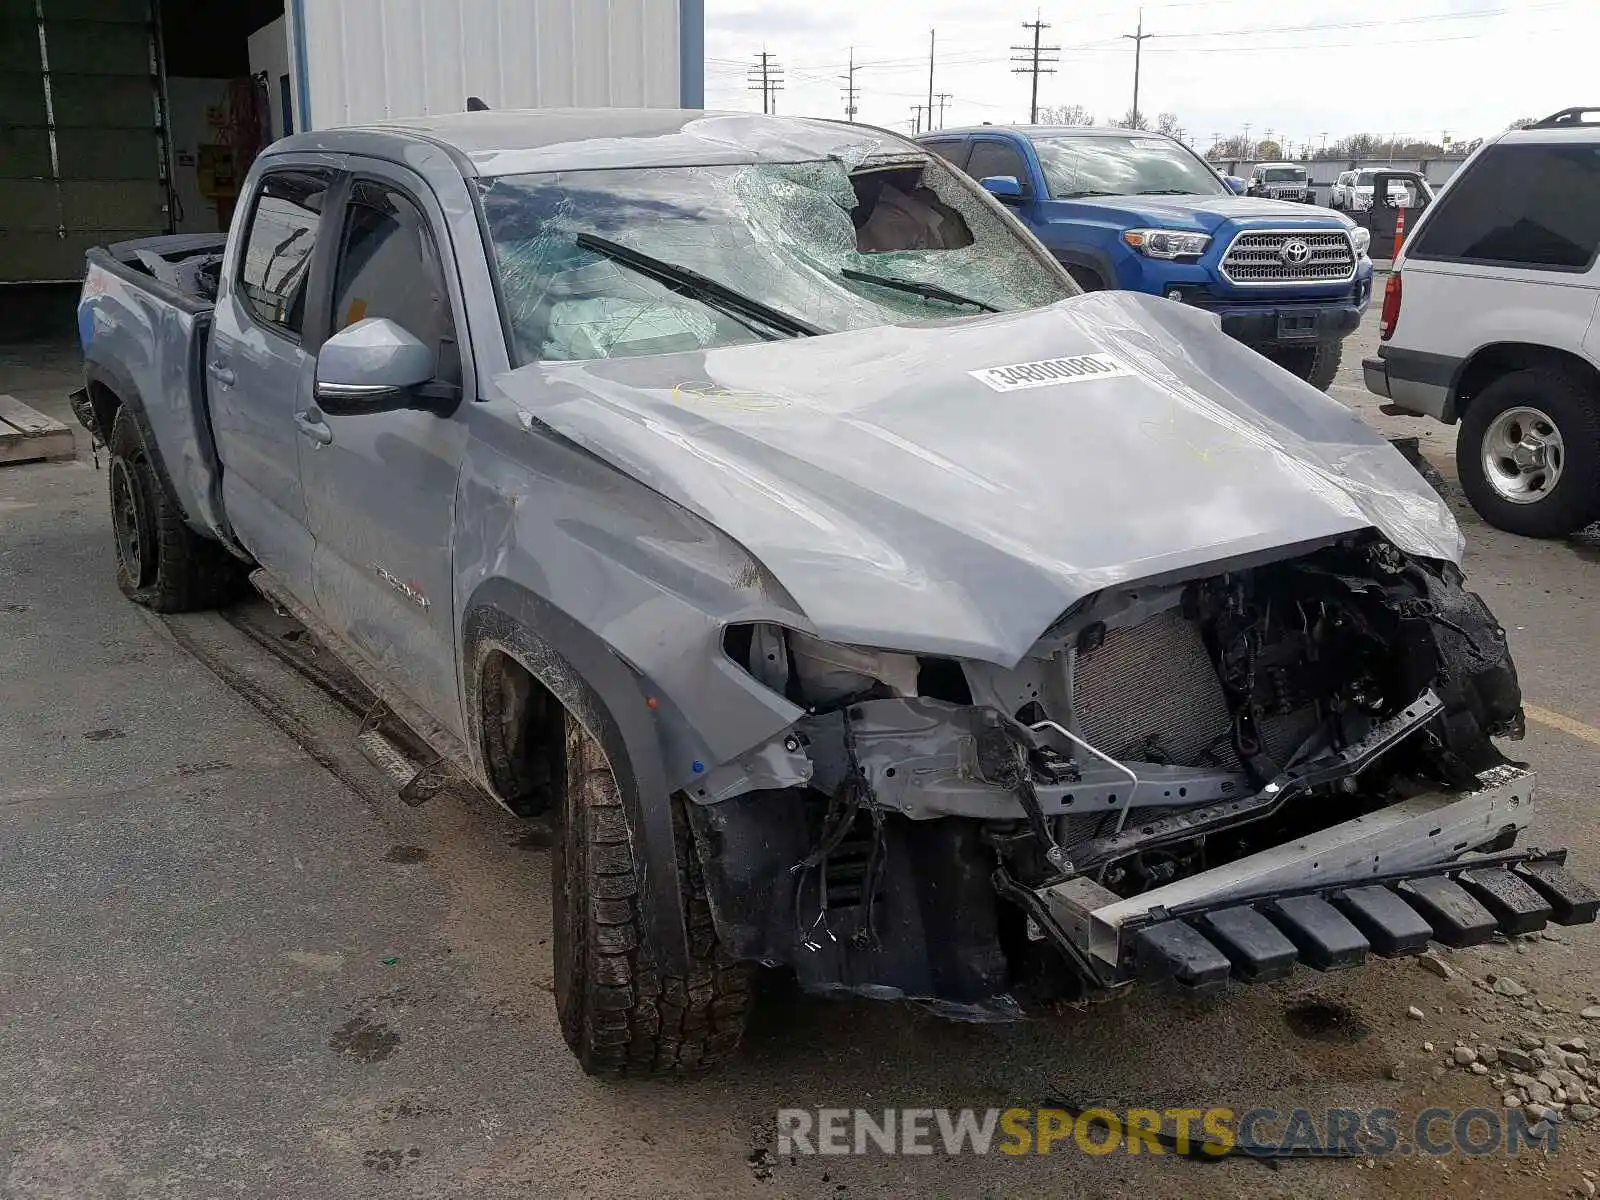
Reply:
x=82, y=150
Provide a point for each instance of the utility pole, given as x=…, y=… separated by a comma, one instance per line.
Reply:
x=766, y=76
x=850, y=88
x=1034, y=63
x=1137, y=38
x=1324, y=136
x=944, y=98
x=916, y=111
x=929, y=109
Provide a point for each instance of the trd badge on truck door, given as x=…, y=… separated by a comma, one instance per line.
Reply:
x=1047, y=372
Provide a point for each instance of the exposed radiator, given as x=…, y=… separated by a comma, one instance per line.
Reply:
x=1152, y=685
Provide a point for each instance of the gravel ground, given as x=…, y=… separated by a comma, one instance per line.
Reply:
x=232, y=964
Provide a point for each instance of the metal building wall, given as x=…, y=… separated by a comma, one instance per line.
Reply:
x=371, y=60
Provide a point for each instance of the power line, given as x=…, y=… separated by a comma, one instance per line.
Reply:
x=912, y=62
x=1367, y=43
x=1421, y=19
x=766, y=77
x=1035, y=64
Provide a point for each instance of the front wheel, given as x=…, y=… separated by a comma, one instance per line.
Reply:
x=1318, y=365
x=161, y=562
x=619, y=1015
x=1528, y=453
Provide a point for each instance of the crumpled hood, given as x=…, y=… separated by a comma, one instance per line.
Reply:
x=952, y=488
x=1207, y=214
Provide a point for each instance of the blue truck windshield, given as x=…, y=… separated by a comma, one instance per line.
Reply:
x=1135, y=165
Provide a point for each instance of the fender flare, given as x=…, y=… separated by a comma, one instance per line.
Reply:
x=1083, y=256
x=603, y=694
x=113, y=378
x=120, y=384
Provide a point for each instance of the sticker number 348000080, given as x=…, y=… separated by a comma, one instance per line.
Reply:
x=1047, y=372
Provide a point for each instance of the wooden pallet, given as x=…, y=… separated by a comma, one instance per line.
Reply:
x=27, y=435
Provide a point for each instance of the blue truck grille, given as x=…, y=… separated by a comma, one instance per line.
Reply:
x=1289, y=256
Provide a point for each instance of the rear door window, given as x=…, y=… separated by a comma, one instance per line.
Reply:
x=952, y=150
x=277, y=255
x=990, y=158
x=1533, y=205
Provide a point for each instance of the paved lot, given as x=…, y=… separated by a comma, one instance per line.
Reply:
x=232, y=964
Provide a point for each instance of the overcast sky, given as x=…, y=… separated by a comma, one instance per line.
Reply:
x=1297, y=67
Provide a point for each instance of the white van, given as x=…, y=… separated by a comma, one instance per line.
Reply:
x=1489, y=319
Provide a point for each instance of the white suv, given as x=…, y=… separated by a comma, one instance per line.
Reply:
x=1489, y=319
x=1352, y=191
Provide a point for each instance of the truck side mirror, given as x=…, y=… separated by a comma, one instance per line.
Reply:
x=1003, y=188
x=373, y=366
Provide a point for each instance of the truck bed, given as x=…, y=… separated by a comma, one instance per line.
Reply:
x=185, y=263
x=144, y=321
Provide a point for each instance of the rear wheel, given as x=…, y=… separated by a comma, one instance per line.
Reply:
x=161, y=562
x=1318, y=365
x=620, y=1015
x=1528, y=453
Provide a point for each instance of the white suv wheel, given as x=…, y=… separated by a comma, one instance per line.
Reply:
x=1523, y=455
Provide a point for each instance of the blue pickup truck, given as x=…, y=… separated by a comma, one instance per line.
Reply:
x=1140, y=211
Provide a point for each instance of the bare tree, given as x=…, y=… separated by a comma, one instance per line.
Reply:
x=1522, y=122
x=1167, y=123
x=1132, y=120
x=1065, y=114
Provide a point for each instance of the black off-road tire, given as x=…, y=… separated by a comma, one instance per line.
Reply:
x=161, y=562
x=620, y=1016
x=1574, y=407
x=1318, y=365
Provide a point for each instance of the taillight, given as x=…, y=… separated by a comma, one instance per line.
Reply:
x=1391, y=308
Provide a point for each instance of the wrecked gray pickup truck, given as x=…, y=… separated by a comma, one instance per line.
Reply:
x=759, y=502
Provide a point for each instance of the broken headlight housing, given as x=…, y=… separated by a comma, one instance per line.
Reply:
x=1167, y=243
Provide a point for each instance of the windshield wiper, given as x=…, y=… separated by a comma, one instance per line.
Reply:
x=928, y=291
x=1081, y=195
x=1168, y=192
x=689, y=283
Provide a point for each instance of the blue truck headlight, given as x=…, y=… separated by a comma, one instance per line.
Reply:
x=1362, y=238
x=1167, y=243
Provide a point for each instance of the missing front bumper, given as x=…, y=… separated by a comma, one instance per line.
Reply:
x=1386, y=883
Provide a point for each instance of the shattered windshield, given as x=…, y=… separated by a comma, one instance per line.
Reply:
x=1108, y=165
x=805, y=240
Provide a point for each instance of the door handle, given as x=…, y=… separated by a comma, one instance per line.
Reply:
x=317, y=431
x=222, y=374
